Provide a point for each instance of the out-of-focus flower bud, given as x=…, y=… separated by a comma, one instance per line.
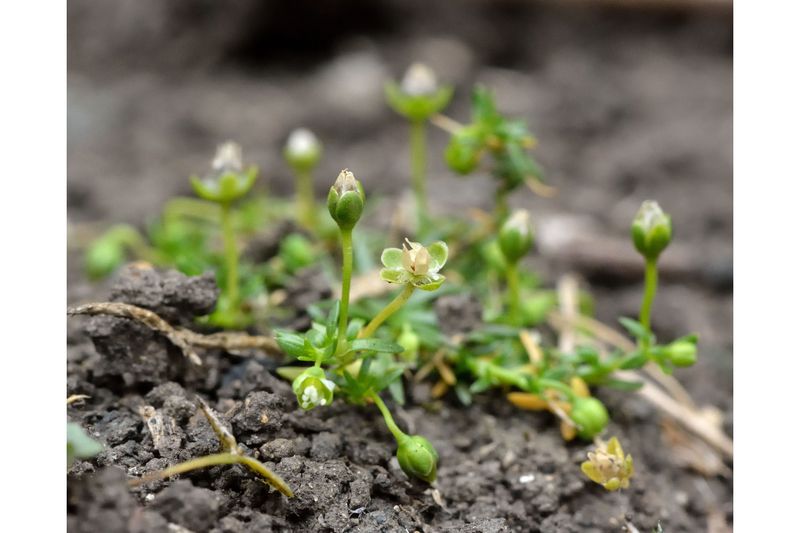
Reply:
x=463, y=152
x=590, y=415
x=516, y=236
x=227, y=180
x=682, y=352
x=303, y=150
x=346, y=200
x=651, y=230
x=418, y=96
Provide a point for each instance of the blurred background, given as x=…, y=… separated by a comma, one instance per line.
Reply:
x=630, y=100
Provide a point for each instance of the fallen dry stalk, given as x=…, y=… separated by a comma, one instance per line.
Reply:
x=182, y=338
x=231, y=454
x=76, y=398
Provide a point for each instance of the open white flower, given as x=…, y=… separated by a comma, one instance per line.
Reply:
x=415, y=264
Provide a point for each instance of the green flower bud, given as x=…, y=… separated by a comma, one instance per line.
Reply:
x=463, y=152
x=312, y=388
x=651, y=230
x=682, y=353
x=409, y=340
x=418, y=457
x=590, y=415
x=346, y=200
x=228, y=180
x=516, y=236
x=418, y=96
x=303, y=150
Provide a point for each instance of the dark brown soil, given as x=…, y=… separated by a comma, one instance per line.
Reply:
x=627, y=106
x=501, y=469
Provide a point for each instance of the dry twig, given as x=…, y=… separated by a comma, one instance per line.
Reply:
x=182, y=338
x=76, y=397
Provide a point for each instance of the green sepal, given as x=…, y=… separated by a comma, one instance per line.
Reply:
x=226, y=187
x=429, y=282
x=419, y=107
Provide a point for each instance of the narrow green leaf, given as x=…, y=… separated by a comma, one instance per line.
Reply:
x=375, y=345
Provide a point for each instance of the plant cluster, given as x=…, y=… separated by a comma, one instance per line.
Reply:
x=358, y=350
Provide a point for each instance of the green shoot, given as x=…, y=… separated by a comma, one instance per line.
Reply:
x=418, y=97
x=231, y=454
x=227, y=182
x=303, y=152
x=79, y=444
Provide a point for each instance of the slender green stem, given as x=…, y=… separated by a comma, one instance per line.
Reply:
x=500, y=204
x=192, y=208
x=347, y=273
x=506, y=376
x=650, y=286
x=387, y=311
x=418, y=156
x=305, y=199
x=399, y=435
x=231, y=255
x=512, y=274
x=557, y=385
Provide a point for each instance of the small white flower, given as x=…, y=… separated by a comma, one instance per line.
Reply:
x=302, y=142
x=419, y=80
x=311, y=396
x=227, y=158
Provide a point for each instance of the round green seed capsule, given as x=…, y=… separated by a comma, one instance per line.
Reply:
x=590, y=415
x=418, y=458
